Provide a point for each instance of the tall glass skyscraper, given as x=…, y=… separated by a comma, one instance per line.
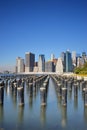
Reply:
x=41, y=63
x=29, y=61
x=63, y=57
x=68, y=62
x=84, y=56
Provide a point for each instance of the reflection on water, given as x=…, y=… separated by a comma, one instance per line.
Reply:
x=69, y=95
x=85, y=114
x=75, y=102
x=35, y=116
x=30, y=102
x=43, y=115
x=1, y=113
x=20, y=114
x=64, y=116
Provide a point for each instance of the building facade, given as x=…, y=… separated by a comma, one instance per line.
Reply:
x=29, y=61
x=84, y=56
x=68, y=62
x=63, y=57
x=41, y=63
x=52, y=57
x=19, y=65
x=74, y=58
x=49, y=66
x=80, y=61
x=59, y=66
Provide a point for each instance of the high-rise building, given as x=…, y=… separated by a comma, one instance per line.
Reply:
x=29, y=61
x=84, y=56
x=36, y=67
x=41, y=63
x=80, y=61
x=68, y=62
x=63, y=57
x=49, y=66
x=74, y=58
x=59, y=66
x=19, y=65
x=52, y=57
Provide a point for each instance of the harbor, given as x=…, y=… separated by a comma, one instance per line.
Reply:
x=43, y=102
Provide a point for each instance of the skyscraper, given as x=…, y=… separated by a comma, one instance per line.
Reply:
x=29, y=61
x=68, y=62
x=49, y=66
x=19, y=65
x=84, y=56
x=80, y=61
x=41, y=63
x=63, y=58
x=52, y=57
x=59, y=66
x=74, y=57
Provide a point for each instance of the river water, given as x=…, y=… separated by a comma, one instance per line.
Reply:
x=35, y=117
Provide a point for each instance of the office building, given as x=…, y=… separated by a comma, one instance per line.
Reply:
x=49, y=66
x=84, y=56
x=80, y=61
x=35, y=67
x=19, y=65
x=41, y=63
x=74, y=58
x=68, y=62
x=29, y=61
x=59, y=66
x=63, y=57
x=52, y=57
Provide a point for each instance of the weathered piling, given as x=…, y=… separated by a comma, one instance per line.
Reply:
x=43, y=96
x=45, y=84
x=65, y=83
x=22, y=83
x=19, y=81
x=6, y=82
x=11, y=86
x=15, y=89
x=82, y=85
x=64, y=96
x=70, y=85
x=59, y=90
x=21, y=96
x=2, y=83
x=30, y=89
x=34, y=85
x=1, y=95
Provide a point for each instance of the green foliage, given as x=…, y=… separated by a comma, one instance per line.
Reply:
x=81, y=70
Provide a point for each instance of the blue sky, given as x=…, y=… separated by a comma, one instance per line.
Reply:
x=41, y=27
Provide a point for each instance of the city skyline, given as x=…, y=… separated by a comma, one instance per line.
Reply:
x=81, y=57
x=67, y=62
x=41, y=27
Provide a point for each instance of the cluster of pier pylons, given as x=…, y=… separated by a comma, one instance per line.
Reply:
x=16, y=85
x=65, y=84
